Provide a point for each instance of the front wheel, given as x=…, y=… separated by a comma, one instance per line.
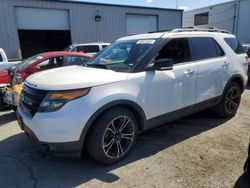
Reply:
x=230, y=100
x=112, y=136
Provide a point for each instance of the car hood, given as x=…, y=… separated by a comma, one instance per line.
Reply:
x=73, y=77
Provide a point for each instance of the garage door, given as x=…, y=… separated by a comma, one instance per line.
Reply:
x=41, y=30
x=140, y=23
x=42, y=19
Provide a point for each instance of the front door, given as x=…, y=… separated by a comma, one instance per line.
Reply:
x=171, y=90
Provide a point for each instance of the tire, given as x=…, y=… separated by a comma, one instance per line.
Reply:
x=112, y=136
x=230, y=100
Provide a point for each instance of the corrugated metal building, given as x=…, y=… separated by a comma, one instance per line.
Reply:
x=232, y=16
x=43, y=25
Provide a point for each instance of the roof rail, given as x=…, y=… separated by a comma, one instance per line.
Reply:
x=193, y=28
x=161, y=31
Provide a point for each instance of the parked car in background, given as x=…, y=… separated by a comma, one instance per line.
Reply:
x=45, y=61
x=37, y=63
x=4, y=63
x=152, y=79
x=90, y=48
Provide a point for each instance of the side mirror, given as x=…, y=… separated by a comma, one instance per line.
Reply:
x=31, y=70
x=161, y=65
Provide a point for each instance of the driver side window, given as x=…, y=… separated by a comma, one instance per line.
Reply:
x=177, y=50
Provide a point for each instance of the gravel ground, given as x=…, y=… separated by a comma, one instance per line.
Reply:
x=197, y=151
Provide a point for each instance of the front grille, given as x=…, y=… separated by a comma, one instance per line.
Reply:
x=31, y=99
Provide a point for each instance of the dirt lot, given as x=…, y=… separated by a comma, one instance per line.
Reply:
x=197, y=151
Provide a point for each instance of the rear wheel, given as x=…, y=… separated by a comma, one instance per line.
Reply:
x=112, y=136
x=230, y=100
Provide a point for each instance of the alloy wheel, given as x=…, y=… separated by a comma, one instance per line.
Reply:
x=232, y=100
x=118, y=137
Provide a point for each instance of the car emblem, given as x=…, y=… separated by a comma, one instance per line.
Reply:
x=30, y=84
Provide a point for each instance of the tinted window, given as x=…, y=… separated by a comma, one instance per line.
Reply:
x=177, y=50
x=88, y=49
x=219, y=51
x=201, y=19
x=1, y=58
x=205, y=48
x=104, y=46
x=235, y=45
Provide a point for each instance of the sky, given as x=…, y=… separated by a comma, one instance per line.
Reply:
x=182, y=4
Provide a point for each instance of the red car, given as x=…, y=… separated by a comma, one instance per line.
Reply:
x=4, y=78
x=41, y=62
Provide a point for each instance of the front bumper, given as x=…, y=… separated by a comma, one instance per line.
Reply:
x=64, y=149
x=60, y=131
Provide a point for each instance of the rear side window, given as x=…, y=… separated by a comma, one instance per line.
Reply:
x=1, y=58
x=235, y=45
x=205, y=48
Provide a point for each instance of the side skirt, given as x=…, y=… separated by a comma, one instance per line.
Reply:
x=171, y=116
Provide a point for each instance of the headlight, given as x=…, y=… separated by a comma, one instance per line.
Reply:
x=56, y=99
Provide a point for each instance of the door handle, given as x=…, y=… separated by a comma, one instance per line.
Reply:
x=225, y=64
x=188, y=72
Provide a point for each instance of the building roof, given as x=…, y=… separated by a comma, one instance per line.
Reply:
x=115, y=5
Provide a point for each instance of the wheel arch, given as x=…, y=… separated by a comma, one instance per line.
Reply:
x=238, y=79
x=130, y=105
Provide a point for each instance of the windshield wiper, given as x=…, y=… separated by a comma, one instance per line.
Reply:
x=101, y=66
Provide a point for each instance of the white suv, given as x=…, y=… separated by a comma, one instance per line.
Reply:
x=152, y=79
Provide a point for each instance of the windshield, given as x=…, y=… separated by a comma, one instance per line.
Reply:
x=122, y=56
x=27, y=62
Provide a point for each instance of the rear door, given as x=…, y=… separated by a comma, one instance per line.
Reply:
x=211, y=62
